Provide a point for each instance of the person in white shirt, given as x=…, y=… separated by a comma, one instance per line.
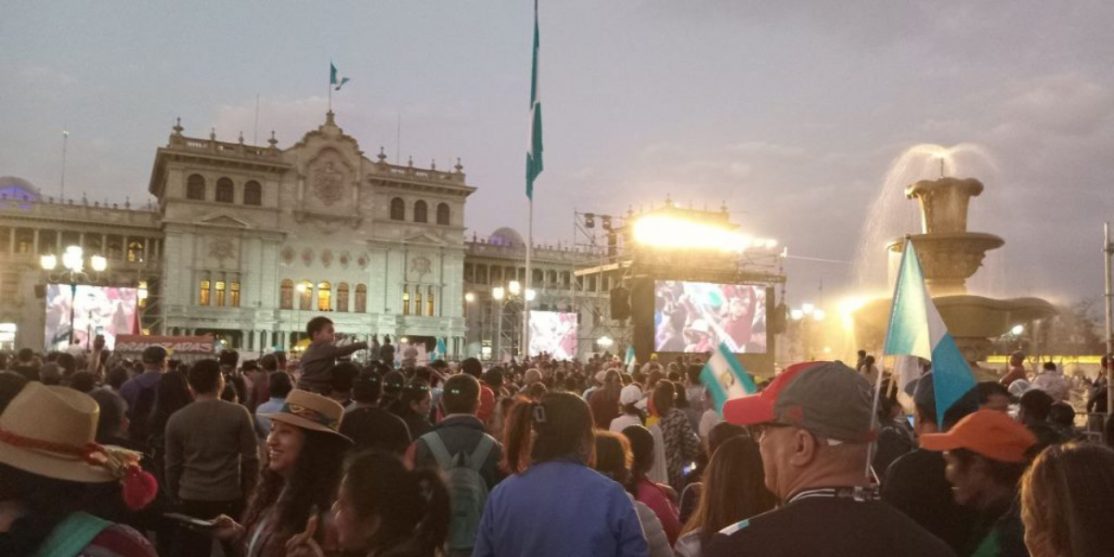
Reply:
x=628, y=398
x=1053, y=382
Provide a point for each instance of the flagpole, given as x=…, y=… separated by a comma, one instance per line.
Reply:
x=878, y=380
x=529, y=278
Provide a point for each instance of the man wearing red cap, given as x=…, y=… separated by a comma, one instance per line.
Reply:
x=814, y=431
x=986, y=454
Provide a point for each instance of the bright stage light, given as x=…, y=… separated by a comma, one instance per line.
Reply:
x=469, y=297
x=1017, y=330
x=663, y=231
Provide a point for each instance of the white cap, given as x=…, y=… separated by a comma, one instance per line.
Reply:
x=630, y=395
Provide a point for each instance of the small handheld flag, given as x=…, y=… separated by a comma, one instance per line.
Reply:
x=916, y=329
x=725, y=377
x=629, y=359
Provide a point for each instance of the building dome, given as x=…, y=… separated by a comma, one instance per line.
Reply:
x=12, y=187
x=506, y=237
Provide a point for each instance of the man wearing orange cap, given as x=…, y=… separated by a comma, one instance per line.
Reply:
x=814, y=430
x=986, y=454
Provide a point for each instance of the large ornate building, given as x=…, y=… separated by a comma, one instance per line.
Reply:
x=247, y=242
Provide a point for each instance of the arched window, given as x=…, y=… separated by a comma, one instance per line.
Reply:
x=220, y=293
x=417, y=300
x=234, y=294
x=305, y=294
x=253, y=193
x=361, y=298
x=429, y=303
x=203, y=292
x=405, y=300
x=286, y=294
x=398, y=209
x=420, y=212
x=443, y=214
x=135, y=251
x=195, y=187
x=324, y=296
x=226, y=192
x=342, y=296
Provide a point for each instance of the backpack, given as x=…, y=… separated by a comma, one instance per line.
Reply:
x=72, y=535
x=467, y=488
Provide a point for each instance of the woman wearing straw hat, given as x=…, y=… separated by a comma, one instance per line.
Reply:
x=55, y=479
x=305, y=452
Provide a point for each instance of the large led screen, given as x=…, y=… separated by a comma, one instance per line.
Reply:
x=695, y=317
x=98, y=310
x=553, y=333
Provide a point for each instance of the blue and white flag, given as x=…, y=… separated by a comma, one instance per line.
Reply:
x=916, y=329
x=335, y=79
x=725, y=377
x=630, y=356
x=440, y=352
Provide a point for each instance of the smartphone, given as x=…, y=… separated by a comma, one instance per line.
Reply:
x=192, y=522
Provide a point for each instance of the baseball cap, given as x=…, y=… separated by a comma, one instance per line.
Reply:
x=630, y=395
x=826, y=398
x=154, y=354
x=989, y=433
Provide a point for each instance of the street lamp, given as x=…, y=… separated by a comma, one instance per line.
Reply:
x=806, y=313
x=73, y=263
x=605, y=342
x=503, y=296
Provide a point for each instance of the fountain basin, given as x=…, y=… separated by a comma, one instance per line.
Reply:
x=972, y=320
x=948, y=259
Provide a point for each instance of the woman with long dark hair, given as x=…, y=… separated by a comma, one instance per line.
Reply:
x=553, y=504
x=734, y=489
x=682, y=445
x=659, y=497
x=613, y=459
x=384, y=510
x=305, y=453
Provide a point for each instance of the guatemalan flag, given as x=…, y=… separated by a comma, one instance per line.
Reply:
x=725, y=377
x=916, y=329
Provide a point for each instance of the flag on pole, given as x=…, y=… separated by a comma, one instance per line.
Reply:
x=629, y=359
x=441, y=351
x=534, y=153
x=916, y=329
x=725, y=377
x=335, y=79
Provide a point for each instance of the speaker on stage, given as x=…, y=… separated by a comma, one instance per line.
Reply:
x=642, y=317
x=620, y=303
x=40, y=291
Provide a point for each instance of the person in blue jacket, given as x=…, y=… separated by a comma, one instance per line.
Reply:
x=554, y=503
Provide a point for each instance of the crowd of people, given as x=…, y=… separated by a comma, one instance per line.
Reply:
x=321, y=456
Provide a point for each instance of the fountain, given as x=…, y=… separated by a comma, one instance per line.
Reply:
x=950, y=255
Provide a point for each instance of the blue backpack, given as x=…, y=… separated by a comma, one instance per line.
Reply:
x=467, y=488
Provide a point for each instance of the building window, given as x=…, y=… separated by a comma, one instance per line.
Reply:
x=24, y=240
x=220, y=293
x=443, y=214
x=342, y=296
x=417, y=300
x=538, y=277
x=203, y=293
x=324, y=296
x=195, y=187
x=305, y=294
x=361, y=298
x=115, y=247
x=286, y=294
x=47, y=241
x=405, y=300
x=135, y=251
x=226, y=192
x=420, y=212
x=429, y=303
x=398, y=209
x=234, y=294
x=253, y=193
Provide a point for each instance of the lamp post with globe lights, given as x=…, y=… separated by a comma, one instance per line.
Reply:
x=72, y=273
x=504, y=296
